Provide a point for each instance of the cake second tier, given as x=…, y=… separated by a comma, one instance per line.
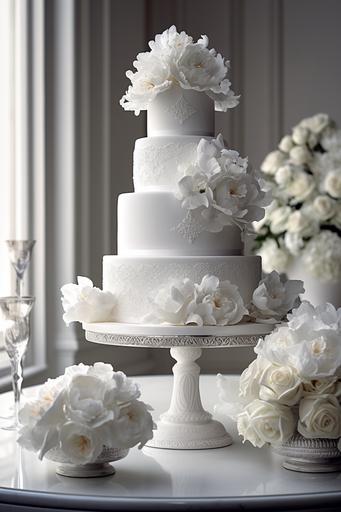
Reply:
x=136, y=280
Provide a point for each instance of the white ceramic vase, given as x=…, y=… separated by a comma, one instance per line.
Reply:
x=100, y=467
x=310, y=455
x=316, y=291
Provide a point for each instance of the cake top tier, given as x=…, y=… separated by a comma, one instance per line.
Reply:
x=179, y=81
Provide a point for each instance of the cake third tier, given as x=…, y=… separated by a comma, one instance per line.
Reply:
x=137, y=280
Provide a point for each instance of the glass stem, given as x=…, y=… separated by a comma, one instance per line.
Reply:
x=19, y=286
x=17, y=379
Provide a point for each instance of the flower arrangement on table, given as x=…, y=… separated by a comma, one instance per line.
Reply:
x=183, y=302
x=304, y=219
x=80, y=413
x=294, y=383
x=175, y=60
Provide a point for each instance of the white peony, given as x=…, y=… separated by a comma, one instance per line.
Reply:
x=135, y=425
x=80, y=443
x=210, y=302
x=273, y=161
x=264, y=422
x=332, y=184
x=324, y=207
x=218, y=188
x=273, y=256
x=81, y=412
x=249, y=382
x=275, y=297
x=280, y=384
x=322, y=256
x=275, y=347
x=83, y=302
x=320, y=417
x=175, y=60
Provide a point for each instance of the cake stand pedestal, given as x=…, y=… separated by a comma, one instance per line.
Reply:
x=186, y=425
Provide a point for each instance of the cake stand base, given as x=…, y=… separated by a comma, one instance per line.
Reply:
x=186, y=425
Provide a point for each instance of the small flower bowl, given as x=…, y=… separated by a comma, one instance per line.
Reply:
x=310, y=455
x=100, y=467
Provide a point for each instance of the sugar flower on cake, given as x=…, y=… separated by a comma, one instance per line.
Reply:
x=210, y=302
x=293, y=385
x=219, y=190
x=304, y=219
x=274, y=298
x=83, y=302
x=176, y=60
x=83, y=411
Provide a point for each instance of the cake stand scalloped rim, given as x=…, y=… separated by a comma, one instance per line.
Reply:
x=173, y=336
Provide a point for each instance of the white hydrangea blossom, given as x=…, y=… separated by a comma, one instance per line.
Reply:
x=175, y=60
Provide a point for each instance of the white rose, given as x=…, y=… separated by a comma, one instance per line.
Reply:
x=312, y=140
x=250, y=379
x=320, y=417
x=331, y=140
x=86, y=303
x=301, y=186
x=299, y=223
x=280, y=384
x=286, y=143
x=332, y=184
x=294, y=243
x=300, y=155
x=279, y=219
x=328, y=386
x=316, y=123
x=272, y=162
x=264, y=422
x=283, y=175
x=324, y=207
x=80, y=444
x=322, y=256
x=273, y=257
x=300, y=135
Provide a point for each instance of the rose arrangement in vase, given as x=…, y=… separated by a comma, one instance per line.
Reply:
x=303, y=222
x=293, y=386
x=87, y=415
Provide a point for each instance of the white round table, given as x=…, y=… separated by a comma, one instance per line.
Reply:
x=237, y=477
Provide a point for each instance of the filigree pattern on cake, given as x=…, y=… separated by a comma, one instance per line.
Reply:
x=191, y=226
x=157, y=165
x=181, y=110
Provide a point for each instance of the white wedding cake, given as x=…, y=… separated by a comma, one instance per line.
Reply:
x=166, y=233
x=180, y=255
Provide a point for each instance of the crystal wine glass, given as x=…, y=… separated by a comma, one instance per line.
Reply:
x=15, y=325
x=20, y=254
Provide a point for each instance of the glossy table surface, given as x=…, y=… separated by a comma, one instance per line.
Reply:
x=238, y=477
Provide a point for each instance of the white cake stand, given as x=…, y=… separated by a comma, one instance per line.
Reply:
x=186, y=425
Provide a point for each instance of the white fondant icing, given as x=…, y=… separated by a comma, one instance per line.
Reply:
x=134, y=279
x=151, y=223
x=179, y=111
x=157, y=161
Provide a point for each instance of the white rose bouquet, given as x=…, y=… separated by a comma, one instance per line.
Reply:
x=83, y=411
x=176, y=60
x=304, y=219
x=294, y=383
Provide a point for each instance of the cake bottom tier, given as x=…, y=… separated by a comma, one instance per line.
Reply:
x=135, y=279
